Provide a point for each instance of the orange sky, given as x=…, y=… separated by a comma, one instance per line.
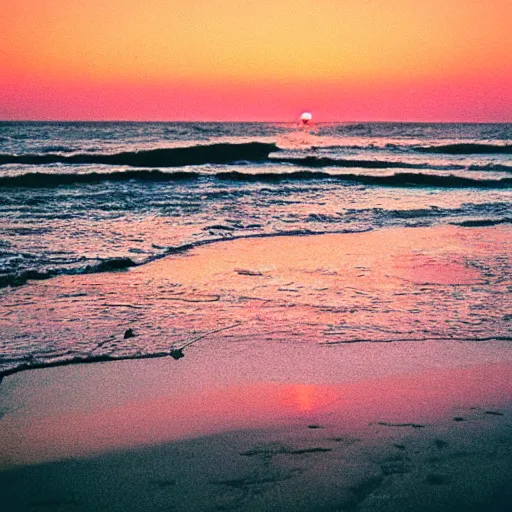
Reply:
x=256, y=60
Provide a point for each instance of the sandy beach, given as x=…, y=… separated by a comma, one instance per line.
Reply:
x=356, y=375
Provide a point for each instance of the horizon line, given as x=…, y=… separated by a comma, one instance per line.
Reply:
x=240, y=121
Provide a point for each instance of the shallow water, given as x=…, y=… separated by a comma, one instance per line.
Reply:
x=68, y=204
x=401, y=285
x=92, y=198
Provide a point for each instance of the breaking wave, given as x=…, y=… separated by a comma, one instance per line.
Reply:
x=404, y=179
x=107, y=265
x=42, y=179
x=480, y=223
x=164, y=157
x=466, y=149
x=319, y=162
x=393, y=180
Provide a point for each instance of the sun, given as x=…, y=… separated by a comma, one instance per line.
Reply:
x=306, y=117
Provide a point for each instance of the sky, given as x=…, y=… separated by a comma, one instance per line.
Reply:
x=256, y=60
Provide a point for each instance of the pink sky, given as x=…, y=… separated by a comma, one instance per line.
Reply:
x=237, y=60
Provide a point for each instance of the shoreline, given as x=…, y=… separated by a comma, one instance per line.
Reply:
x=122, y=264
x=112, y=359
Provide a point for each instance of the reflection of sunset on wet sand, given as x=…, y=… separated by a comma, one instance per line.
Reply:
x=337, y=405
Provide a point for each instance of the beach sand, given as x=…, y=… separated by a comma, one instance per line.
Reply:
x=295, y=393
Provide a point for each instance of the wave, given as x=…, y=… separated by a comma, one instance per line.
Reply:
x=107, y=265
x=373, y=145
x=227, y=153
x=319, y=162
x=466, y=149
x=480, y=223
x=393, y=180
x=223, y=153
x=491, y=167
x=41, y=179
x=163, y=157
x=38, y=179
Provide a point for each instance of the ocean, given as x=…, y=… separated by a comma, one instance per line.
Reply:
x=80, y=198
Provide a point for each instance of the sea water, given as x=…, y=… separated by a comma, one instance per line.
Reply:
x=93, y=197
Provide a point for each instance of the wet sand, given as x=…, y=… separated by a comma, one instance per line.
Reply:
x=299, y=404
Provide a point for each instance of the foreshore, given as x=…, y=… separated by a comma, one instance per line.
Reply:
x=322, y=373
